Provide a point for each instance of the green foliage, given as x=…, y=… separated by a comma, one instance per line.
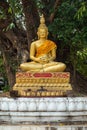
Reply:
x=82, y=10
x=15, y=11
x=72, y=32
x=40, y=4
x=82, y=61
x=15, y=8
x=2, y=13
x=6, y=88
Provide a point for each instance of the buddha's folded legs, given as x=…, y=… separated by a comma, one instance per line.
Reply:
x=30, y=66
x=59, y=67
x=48, y=67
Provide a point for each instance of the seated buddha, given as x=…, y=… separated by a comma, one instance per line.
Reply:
x=43, y=53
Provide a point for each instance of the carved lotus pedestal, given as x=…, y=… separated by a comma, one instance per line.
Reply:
x=46, y=84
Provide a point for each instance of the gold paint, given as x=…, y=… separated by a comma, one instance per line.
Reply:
x=43, y=93
x=53, y=94
x=38, y=94
x=28, y=93
x=32, y=93
x=59, y=84
x=43, y=60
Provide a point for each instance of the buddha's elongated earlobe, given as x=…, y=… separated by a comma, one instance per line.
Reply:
x=38, y=35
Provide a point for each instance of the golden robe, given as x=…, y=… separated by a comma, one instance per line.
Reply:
x=45, y=48
x=43, y=52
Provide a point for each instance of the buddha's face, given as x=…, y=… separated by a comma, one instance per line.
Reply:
x=42, y=33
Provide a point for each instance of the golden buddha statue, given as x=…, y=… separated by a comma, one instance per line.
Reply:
x=43, y=53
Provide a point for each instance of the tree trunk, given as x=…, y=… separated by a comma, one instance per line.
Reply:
x=55, y=7
x=31, y=19
x=9, y=72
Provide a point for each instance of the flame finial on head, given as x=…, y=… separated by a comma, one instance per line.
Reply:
x=42, y=23
x=42, y=19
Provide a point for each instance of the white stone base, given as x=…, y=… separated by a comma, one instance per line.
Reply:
x=28, y=127
x=42, y=117
x=42, y=110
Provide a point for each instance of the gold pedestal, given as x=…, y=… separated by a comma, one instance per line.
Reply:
x=46, y=84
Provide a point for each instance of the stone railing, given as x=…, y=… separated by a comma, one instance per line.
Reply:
x=28, y=110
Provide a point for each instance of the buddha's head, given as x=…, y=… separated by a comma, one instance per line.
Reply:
x=42, y=29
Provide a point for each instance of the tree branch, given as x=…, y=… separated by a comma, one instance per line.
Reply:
x=56, y=4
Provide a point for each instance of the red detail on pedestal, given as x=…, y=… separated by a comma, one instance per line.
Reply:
x=22, y=74
x=42, y=75
x=61, y=75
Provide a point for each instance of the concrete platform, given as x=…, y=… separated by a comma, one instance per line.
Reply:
x=43, y=110
x=42, y=127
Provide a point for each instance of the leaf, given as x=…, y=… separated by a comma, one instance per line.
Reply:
x=10, y=10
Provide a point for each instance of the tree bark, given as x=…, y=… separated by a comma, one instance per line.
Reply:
x=31, y=19
x=9, y=71
x=55, y=7
x=8, y=68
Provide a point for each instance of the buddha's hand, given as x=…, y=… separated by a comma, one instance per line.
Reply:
x=42, y=60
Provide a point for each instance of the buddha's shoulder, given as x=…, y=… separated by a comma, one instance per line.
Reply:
x=35, y=42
